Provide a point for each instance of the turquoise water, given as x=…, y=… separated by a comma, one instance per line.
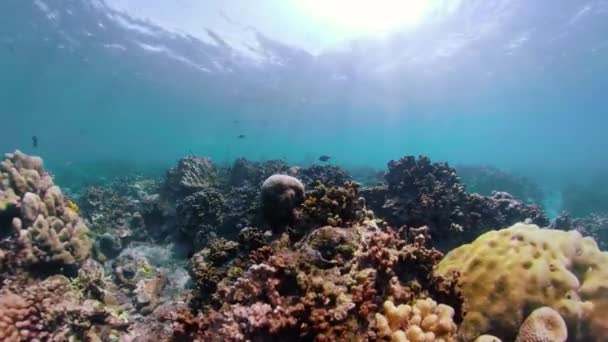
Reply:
x=514, y=84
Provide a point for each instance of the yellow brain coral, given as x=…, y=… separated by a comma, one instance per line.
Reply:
x=506, y=274
x=425, y=321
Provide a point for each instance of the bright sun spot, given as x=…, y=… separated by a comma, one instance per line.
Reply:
x=366, y=16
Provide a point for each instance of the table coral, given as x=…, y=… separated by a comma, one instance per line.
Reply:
x=506, y=274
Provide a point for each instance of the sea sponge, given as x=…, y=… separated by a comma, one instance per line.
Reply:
x=544, y=324
x=281, y=194
x=425, y=321
x=506, y=274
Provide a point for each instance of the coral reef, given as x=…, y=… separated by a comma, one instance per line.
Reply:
x=54, y=310
x=114, y=219
x=326, y=287
x=46, y=234
x=506, y=274
x=337, y=206
x=191, y=174
x=325, y=174
x=200, y=214
x=281, y=195
x=484, y=180
x=424, y=321
x=594, y=225
x=421, y=193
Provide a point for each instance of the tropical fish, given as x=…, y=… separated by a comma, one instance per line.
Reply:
x=241, y=136
x=34, y=141
x=324, y=158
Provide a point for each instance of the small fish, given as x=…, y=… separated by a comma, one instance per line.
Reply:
x=324, y=158
x=35, y=141
x=235, y=121
x=241, y=136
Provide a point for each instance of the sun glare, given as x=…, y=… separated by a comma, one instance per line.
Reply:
x=367, y=16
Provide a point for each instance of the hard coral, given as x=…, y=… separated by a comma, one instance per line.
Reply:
x=53, y=310
x=49, y=234
x=199, y=215
x=281, y=194
x=336, y=206
x=421, y=193
x=191, y=174
x=544, y=324
x=424, y=321
x=508, y=273
x=326, y=287
x=325, y=174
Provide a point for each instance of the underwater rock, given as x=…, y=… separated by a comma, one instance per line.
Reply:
x=199, y=215
x=109, y=245
x=191, y=174
x=147, y=293
x=421, y=193
x=47, y=234
x=507, y=273
x=281, y=195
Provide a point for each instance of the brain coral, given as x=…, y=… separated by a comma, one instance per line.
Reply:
x=507, y=274
x=49, y=233
x=544, y=324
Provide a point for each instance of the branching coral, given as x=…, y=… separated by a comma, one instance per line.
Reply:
x=508, y=273
x=49, y=234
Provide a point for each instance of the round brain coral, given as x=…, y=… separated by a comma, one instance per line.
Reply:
x=506, y=274
x=544, y=324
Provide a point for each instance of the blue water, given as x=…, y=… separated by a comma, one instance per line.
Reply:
x=515, y=84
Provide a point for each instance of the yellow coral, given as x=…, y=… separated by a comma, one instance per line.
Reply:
x=73, y=206
x=425, y=321
x=506, y=274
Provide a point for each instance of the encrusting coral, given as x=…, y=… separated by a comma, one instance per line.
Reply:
x=506, y=274
x=47, y=233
